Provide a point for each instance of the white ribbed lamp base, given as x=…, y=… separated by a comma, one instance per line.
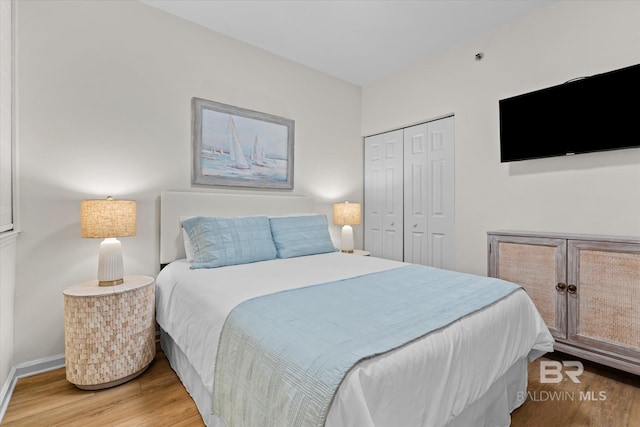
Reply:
x=346, y=242
x=110, y=265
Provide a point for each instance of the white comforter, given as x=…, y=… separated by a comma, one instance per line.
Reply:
x=427, y=383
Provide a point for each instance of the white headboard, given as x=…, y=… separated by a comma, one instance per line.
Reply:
x=174, y=204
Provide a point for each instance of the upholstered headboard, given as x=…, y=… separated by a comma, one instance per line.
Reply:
x=174, y=204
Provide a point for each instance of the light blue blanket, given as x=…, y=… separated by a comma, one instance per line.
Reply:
x=281, y=357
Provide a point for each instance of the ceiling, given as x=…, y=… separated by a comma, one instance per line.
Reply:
x=357, y=41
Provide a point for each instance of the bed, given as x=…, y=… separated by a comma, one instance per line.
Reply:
x=473, y=371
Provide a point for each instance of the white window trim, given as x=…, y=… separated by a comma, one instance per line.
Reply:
x=8, y=85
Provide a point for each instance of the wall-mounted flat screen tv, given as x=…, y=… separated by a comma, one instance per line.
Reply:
x=596, y=113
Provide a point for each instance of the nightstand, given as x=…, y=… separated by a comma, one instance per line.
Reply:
x=361, y=252
x=109, y=331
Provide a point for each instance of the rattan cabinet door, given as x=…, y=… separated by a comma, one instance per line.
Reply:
x=538, y=264
x=604, y=309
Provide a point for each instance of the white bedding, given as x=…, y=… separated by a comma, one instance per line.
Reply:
x=437, y=380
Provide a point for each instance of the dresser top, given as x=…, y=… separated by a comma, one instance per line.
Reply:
x=569, y=236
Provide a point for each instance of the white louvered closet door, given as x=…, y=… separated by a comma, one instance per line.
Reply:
x=383, y=178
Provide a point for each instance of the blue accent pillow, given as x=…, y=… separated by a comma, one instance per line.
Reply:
x=218, y=242
x=301, y=235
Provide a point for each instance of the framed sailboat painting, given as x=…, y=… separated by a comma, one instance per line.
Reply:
x=236, y=147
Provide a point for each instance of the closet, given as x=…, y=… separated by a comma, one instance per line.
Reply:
x=409, y=194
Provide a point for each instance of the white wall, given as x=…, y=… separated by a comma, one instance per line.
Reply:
x=596, y=193
x=103, y=107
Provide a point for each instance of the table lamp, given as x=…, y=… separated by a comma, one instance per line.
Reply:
x=108, y=219
x=346, y=214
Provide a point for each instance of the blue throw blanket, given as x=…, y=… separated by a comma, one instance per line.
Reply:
x=282, y=356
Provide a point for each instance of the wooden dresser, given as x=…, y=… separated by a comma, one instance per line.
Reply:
x=587, y=289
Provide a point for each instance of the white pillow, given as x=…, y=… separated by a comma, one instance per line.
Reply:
x=188, y=248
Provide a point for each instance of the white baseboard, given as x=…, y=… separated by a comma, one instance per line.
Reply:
x=26, y=370
x=7, y=391
x=39, y=366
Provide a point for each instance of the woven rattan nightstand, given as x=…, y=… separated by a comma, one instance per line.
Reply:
x=109, y=331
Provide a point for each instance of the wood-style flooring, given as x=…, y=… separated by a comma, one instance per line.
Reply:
x=604, y=397
x=157, y=398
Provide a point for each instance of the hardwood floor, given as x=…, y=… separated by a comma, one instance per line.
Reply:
x=604, y=397
x=157, y=398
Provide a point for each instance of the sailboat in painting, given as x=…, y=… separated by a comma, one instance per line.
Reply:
x=258, y=152
x=235, y=149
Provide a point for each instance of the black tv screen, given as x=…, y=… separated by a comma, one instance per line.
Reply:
x=596, y=113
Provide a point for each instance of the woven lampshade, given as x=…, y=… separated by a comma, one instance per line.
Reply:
x=346, y=213
x=107, y=218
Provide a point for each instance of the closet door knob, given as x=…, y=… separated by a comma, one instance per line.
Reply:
x=561, y=286
x=572, y=289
